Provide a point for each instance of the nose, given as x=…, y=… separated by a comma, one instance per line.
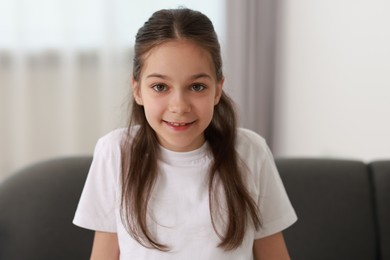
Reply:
x=179, y=103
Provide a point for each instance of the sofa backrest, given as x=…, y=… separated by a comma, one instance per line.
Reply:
x=380, y=171
x=37, y=206
x=333, y=201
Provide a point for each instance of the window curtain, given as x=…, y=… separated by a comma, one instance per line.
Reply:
x=64, y=78
x=251, y=36
x=58, y=104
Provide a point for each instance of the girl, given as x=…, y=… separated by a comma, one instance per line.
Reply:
x=182, y=182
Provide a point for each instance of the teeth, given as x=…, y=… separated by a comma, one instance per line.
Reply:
x=178, y=124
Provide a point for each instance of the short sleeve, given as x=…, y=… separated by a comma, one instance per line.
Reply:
x=98, y=202
x=275, y=207
x=265, y=184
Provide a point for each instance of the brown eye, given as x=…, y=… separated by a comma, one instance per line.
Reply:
x=159, y=87
x=198, y=87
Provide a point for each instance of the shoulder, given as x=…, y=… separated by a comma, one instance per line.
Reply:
x=112, y=141
x=250, y=144
x=246, y=135
x=114, y=136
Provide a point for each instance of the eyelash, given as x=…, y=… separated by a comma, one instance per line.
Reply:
x=157, y=87
x=198, y=85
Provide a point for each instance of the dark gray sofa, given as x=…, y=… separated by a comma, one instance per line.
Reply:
x=343, y=208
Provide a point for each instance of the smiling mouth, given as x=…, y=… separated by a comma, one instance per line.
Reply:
x=177, y=124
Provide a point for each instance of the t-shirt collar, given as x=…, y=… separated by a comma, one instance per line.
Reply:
x=184, y=158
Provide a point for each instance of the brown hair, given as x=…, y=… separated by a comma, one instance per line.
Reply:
x=140, y=153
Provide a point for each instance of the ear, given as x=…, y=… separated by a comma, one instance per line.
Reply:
x=218, y=91
x=136, y=91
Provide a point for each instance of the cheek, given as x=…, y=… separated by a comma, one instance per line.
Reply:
x=206, y=109
x=152, y=111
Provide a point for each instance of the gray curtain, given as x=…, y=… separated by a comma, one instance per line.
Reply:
x=250, y=62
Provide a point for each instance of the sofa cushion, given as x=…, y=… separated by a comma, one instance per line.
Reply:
x=381, y=178
x=334, y=207
x=37, y=205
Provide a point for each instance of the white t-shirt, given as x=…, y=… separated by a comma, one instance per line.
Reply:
x=180, y=201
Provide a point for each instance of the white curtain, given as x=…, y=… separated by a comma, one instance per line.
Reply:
x=251, y=32
x=65, y=68
x=55, y=103
x=64, y=77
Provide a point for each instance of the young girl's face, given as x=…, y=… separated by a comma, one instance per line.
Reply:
x=178, y=89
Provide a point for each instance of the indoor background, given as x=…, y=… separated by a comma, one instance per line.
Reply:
x=311, y=76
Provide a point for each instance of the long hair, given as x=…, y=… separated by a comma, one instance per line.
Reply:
x=140, y=152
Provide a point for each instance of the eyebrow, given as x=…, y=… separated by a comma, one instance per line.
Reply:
x=201, y=75
x=196, y=76
x=156, y=75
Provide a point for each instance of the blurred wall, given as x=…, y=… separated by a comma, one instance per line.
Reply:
x=333, y=96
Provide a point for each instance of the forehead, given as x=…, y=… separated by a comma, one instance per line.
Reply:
x=178, y=57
